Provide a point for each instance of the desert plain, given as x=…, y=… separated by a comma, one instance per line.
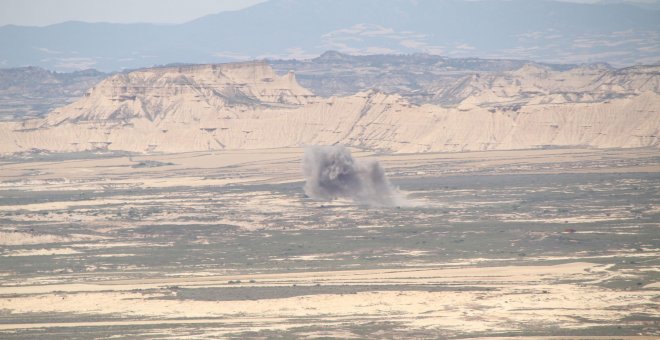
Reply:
x=555, y=243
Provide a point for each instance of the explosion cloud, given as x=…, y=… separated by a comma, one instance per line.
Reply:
x=331, y=172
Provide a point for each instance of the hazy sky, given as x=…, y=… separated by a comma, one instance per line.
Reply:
x=47, y=12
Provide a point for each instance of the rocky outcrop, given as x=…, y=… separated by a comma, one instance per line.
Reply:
x=182, y=94
x=248, y=106
x=538, y=84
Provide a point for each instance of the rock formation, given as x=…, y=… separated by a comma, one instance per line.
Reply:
x=248, y=106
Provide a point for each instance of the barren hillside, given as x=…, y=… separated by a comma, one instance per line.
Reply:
x=248, y=106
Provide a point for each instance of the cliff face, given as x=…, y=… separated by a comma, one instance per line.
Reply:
x=535, y=84
x=181, y=94
x=248, y=106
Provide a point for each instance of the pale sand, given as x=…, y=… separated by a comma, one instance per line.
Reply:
x=569, y=337
x=484, y=276
x=465, y=311
x=283, y=165
x=10, y=238
x=225, y=321
x=515, y=297
x=653, y=285
x=41, y=252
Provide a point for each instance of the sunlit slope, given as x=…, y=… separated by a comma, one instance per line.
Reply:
x=249, y=106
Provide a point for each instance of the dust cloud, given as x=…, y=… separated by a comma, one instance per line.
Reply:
x=331, y=172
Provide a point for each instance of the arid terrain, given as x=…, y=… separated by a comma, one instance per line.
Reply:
x=330, y=169
x=560, y=242
x=171, y=202
x=248, y=105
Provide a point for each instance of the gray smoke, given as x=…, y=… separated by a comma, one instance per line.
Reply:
x=331, y=172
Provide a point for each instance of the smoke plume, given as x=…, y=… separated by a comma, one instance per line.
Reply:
x=331, y=172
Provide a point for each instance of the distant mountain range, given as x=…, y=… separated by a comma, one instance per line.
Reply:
x=30, y=92
x=548, y=31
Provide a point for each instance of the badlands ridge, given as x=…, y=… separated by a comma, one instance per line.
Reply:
x=249, y=106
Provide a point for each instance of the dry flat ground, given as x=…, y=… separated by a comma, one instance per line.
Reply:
x=560, y=243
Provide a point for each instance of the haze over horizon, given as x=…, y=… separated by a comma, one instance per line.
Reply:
x=44, y=12
x=116, y=36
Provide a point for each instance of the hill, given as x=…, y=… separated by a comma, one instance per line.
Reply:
x=249, y=106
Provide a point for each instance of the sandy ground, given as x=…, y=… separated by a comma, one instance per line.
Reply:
x=521, y=295
x=227, y=167
x=468, y=297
